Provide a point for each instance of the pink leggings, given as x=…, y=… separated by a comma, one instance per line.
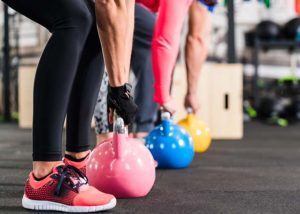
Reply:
x=166, y=40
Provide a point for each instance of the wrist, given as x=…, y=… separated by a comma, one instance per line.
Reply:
x=120, y=89
x=118, y=81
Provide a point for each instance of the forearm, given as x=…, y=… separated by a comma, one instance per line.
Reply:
x=129, y=33
x=115, y=27
x=195, y=55
x=197, y=42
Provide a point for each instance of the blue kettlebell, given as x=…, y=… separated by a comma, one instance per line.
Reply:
x=170, y=145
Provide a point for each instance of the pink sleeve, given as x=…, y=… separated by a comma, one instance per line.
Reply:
x=152, y=5
x=165, y=45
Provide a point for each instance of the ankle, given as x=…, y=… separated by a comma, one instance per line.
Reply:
x=78, y=155
x=42, y=168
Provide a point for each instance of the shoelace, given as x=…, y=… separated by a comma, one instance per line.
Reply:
x=70, y=176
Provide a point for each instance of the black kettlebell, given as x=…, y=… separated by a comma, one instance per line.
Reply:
x=290, y=29
x=296, y=106
x=265, y=108
x=268, y=30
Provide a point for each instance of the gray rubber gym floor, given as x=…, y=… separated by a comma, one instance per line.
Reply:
x=259, y=174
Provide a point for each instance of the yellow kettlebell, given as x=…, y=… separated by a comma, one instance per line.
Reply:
x=198, y=130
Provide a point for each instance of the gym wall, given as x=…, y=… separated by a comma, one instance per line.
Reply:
x=281, y=11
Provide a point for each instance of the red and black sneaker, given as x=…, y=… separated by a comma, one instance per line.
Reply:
x=66, y=189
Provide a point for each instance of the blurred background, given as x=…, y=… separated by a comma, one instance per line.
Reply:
x=258, y=36
x=249, y=94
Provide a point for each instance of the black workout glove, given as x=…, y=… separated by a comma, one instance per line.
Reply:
x=121, y=100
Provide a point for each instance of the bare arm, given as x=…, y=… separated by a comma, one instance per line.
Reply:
x=115, y=21
x=196, y=49
x=129, y=34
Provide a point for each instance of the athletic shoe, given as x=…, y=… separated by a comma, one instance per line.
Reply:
x=81, y=164
x=66, y=189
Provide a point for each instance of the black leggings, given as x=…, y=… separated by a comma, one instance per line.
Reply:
x=68, y=75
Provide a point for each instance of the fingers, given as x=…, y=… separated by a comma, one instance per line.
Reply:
x=172, y=111
x=191, y=101
x=197, y=111
x=121, y=101
x=111, y=116
x=169, y=107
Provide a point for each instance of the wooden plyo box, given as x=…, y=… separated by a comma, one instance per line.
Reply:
x=220, y=95
x=26, y=81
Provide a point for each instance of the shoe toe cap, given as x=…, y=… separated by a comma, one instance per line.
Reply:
x=92, y=197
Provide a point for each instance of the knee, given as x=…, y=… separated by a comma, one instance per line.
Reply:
x=80, y=20
x=197, y=39
x=84, y=20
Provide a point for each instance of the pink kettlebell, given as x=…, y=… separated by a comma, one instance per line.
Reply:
x=121, y=166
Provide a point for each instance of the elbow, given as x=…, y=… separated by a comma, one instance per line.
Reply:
x=197, y=40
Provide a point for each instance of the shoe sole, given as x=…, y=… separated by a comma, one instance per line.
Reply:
x=49, y=205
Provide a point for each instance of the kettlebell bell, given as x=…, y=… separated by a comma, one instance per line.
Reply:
x=122, y=166
x=170, y=145
x=198, y=130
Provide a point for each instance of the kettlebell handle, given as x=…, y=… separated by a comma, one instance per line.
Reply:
x=119, y=136
x=165, y=115
x=119, y=126
x=166, y=122
x=189, y=110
